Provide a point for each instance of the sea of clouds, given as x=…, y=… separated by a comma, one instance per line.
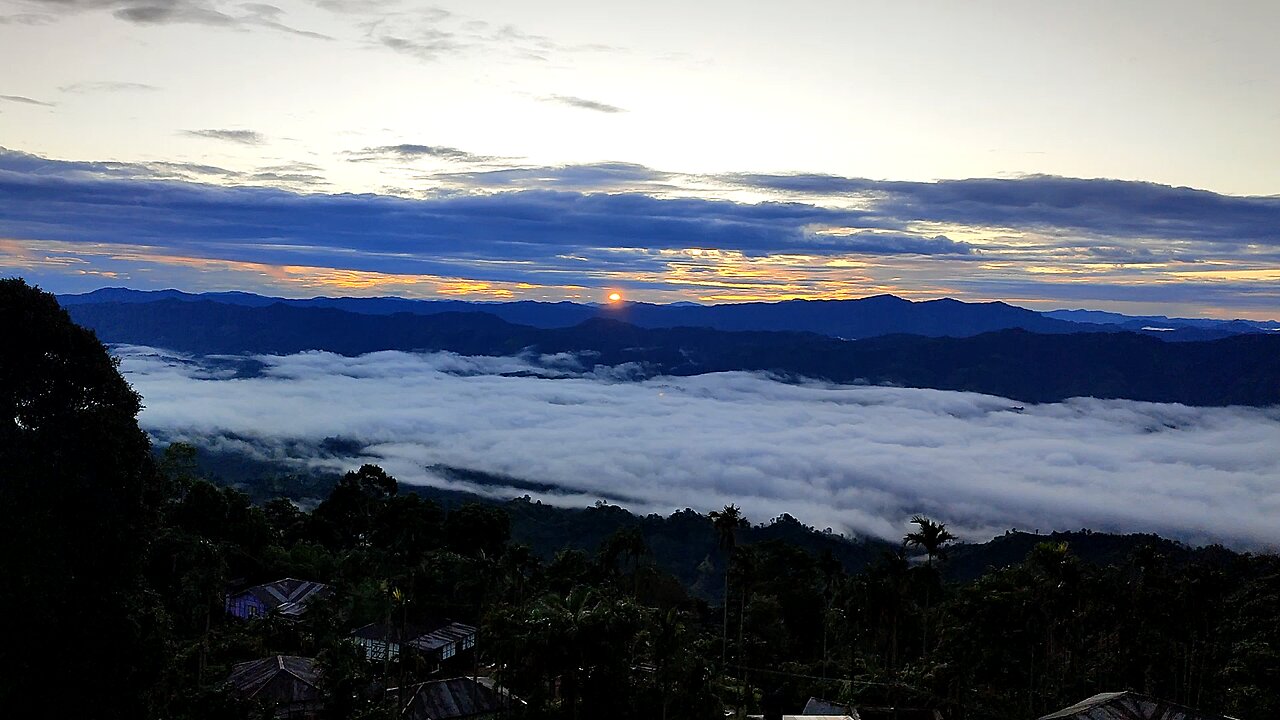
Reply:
x=857, y=459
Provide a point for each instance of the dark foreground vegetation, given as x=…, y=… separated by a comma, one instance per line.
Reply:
x=114, y=568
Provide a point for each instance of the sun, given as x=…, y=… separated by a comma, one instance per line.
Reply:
x=615, y=297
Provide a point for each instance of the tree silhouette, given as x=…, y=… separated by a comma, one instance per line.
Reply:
x=726, y=523
x=626, y=543
x=932, y=537
x=346, y=518
x=79, y=503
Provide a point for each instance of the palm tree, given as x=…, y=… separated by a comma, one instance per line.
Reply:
x=726, y=523
x=626, y=543
x=932, y=537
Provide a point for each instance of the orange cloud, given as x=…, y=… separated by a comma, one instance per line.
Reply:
x=53, y=255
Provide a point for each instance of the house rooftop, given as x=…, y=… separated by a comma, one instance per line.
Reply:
x=435, y=639
x=817, y=707
x=809, y=717
x=288, y=596
x=454, y=698
x=276, y=677
x=1127, y=704
x=430, y=635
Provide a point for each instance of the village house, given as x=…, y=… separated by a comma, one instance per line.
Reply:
x=440, y=642
x=287, y=598
x=460, y=698
x=1129, y=706
x=817, y=707
x=285, y=685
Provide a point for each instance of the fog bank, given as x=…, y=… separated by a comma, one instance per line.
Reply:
x=856, y=459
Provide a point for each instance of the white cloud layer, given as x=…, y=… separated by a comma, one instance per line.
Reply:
x=857, y=459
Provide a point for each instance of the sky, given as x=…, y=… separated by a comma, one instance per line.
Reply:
x=1120, y=156
x=860, y=460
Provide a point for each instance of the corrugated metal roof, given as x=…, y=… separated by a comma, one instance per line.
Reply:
x=454, y=632
x=297, y=677
x=1127, y=705
x=452, y=698
x=288, y=596
x=820, y=707
x=423, y=636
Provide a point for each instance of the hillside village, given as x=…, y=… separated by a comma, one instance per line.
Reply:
x=290, y=687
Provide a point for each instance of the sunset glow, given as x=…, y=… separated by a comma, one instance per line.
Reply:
x=583, y=148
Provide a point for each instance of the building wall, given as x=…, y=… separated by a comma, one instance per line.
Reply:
x=377, y=649
x=245, y=606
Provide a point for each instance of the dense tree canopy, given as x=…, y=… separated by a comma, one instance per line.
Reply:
x=78, y=503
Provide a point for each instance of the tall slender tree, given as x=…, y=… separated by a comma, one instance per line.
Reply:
x=726, y=523
x=931, y=537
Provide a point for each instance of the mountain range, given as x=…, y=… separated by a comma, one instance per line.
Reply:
x=1016, y=363
x=849, y=319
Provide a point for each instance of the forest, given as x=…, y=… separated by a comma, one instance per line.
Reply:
x=116, y=561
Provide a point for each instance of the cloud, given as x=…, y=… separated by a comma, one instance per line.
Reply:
x=857, y=459
x=674, y=236
x=269, y=16
x=196, y=12
x=148, y=12
x=583, y=104
x=287, y=173
x=409, y=151
x=107, y=86
x=491, y=231
x=1111, y=208
x=26, y=19
x=893, y=243
x=22, y=100
x=359, y=6
x=19, y=163
x=432, y=33
x=427, y=45
x=244, y=137
x=295, y=166
x=70, y=266
x=602, y=176
x=288, y=178
x=172, y=12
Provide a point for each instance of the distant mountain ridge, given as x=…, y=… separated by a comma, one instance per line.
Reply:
x=1016, y=364
x=851, y=319
x=1139, y=322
